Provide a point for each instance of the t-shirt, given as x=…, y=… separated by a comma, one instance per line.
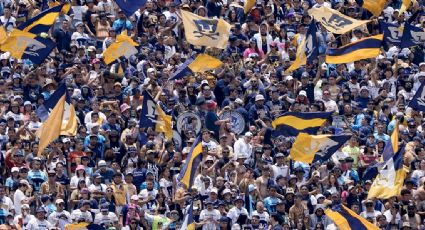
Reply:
x=18, y=197
x=208, y=217
x=37, y=224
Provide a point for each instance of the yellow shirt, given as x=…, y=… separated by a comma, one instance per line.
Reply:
x=120, y=193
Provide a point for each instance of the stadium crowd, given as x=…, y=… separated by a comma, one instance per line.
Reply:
x=120, y=175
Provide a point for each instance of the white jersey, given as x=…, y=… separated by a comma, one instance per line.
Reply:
x=36, y=224
x=107, y=219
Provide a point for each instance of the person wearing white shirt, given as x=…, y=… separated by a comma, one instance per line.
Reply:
x=243, y=146
x=148, y=196
x=370, y=212
x=24, y=218
x=6, y=204
x=393, y=215
x=105, y=217
x=19, y=198
x=39, y=223
x=7, y=20
x=209, y=217
x=83, y=213
x=280, y=168
x=330, y=105
x=60, y=213
x=238, y=210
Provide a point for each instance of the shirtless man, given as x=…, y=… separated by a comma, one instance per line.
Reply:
x=262, y=181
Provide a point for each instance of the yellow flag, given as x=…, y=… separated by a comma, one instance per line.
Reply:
x=164, y=123
x=248, y=5
x=17, y=43
x=201, y=31
x=374, y=6
x=123, y=46
x=69, y=122
x=334, y=21
x=394, y=138
x=404, y=6
x=300, y=60
x=204, y=62
x=3, y=34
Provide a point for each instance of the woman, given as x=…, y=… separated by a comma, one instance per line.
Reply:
x=15, y=112
x=80, y=174
x=281, y=40
x=27, y=111
x=133, y=224
x=79, y=36
x=74, y=198
x=253, y=49
x=332, y=185
x=161, y=204
x=232, y=17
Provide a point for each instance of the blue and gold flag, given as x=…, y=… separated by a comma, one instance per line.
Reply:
x=202, y=63
x=390, y=179
x=312, y=148
x=368, y=47
x=42, y=22
x=292, y=123
x=69, y=122
x=392, y=32
x=153, y=116
x=193, y=159
x=334, y=21
x=418, y=101
x=412, y=36
x=189, y=222
x=373, y=6
x=345, y=219
x=201, y=31
x=52, y=126
x=25, y=45
x=129, y=7
x=123, y=46
x=308, y=50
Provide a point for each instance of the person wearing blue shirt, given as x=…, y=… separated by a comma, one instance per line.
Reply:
x=271, y=201
x=106, y=173
x=122, y=23
x=35, y=176
x=380, y=135
x=150, y=176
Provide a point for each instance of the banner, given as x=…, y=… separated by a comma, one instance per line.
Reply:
x=412, y=36
x=334, y=21
x=392, y=32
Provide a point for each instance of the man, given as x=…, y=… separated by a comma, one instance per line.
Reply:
x=235, y=212
x=261, y=212
x=275, y=222
x=51, y=187
x=330, y=104
x=20, y=198
x=209, y=216
x=105, y=172
x=148, y=195
x=6, y=205
x=83, y=213
x=120, y=191
x=243, y=146
x=35, y=176
x=280, y=168
x=122, y=23
x=63, y=36
x=370, y=211
x=7, y=20
x=105, y=217
x=24, y=218
x=39, y=222
x=97, y=188
x=60, y=213
x=297, y=211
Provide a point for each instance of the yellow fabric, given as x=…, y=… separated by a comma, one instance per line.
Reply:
x=334, y=21
x=353, y=56
x=3, y=34
x=196, y=151
x=248, y=5
x=394, y=138
x=119, y=194
x=201, y=31
x=338, y=219
x=343, y=224
x=374, y=6
x=388, y=183
x=164, y=123
x=306, y=146
x=298, y=123
x=51, y=128
x=123, y=46
x=404, y=6
x=204, y=62
x=48, y=19
x=300, y=60
x=69, y=122
x=17, y=43
x=76, y=226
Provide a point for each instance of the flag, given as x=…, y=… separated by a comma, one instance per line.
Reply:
x=3, y=34
x=202, y=63
x=368, y=47
x=69, y=122
x=418, y=101
x=312, y=148
x=345, y=219
x=183, y=70
x=292, y=123
x=25, y=45
x=248, y=5
x=390, y=179
x=188, y=222
x=412, y=36
x=193, y=159
x=308, y=49
x=404, y=6
x=130, y=6
x=392, y=32
x=42, y=22
x=84, y=226
x=394, y=138
x=334, y=21
x=153, y=116
x=200, y=31
x=123, y=46
x=51, y=127
x=373, y=6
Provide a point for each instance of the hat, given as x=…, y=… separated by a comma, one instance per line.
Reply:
x=226, y=191
x=238, y=101
x=251, y=187
x=80, y=167
x=25, y=206
x=259, y=97
x=210, y=105
x=40, y=209
x=104, y=207
x=15, y=169
x=85, y=202
x=48, y=82
x=319, y=196
x=248, y=134
x=209, y=201
x=124, y=107
x=51, y=171
x=239, y=198
x=290, y=191
x=84, y=190
x=19, y=153
x=302, y=93
x=150, y=70
x=91, y=48
x=97, y=175
x=59, y=201
x=134, y=197
x=101, y=163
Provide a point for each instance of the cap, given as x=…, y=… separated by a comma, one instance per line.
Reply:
x=248, y=134
x=59, y=201
x=259, y=97
x=124, y=107
x=134, y=197
x=303, y=93
x=101, y=163
x=15, y=169
x=40, y=209
x=80, y=167
x=97, y=176
x=251, y=187
x=290, y=191
x=225, y=191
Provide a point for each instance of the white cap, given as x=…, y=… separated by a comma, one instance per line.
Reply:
x=239, y=101
x=209, y=158
x=259, y=97
x=303, y=93
x=288, y=78
x=15, y=169
x=150, y=70
x=248, y=134
x=101, y=163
